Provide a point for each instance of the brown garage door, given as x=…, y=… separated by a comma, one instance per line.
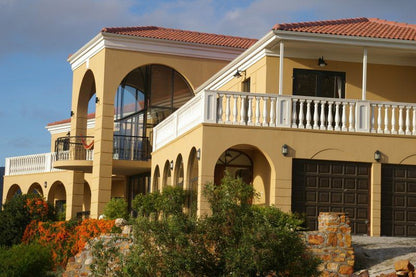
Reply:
x=398, y=200
x=332, y=186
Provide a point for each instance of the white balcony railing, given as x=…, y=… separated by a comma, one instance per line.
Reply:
x=36, y=163
x=300, y=112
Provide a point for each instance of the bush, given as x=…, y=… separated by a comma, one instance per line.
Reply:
x=22, y=260
x=18, y=212
x=237, y=239
x=116, y=208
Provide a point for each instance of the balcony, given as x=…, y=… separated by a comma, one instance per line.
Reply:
x=288, y=111
x=37, y=163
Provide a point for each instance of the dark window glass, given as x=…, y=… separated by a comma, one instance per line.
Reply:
x=329, y=84
x=245, y=85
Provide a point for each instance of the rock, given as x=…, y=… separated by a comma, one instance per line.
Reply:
x=403, y=265
x=362, y=273
x=120, y=222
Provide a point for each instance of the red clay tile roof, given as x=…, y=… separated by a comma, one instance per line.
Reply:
x=359, y=27
x=182, y=35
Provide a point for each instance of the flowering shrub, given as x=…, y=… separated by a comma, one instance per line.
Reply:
x=39, y=209
x=65, y=238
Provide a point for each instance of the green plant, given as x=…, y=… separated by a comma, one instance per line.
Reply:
x=116, y=208
x=18, y=212
x=108, y=258
x=236, y=239
x=22, y=260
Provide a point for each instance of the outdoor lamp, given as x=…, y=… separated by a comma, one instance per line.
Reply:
x=285, y=150
x=321, y=62
x=238, y=73
x=198, y=154
x=97, y=100
x=377, y=155
x=171, y=164
x=72, y=113
x=45, y=184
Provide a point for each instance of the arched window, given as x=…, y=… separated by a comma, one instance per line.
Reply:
x=237, y=163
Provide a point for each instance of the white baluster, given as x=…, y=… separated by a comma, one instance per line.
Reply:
x=308, y=114
x=408, y=121
x=227, y=109
x=264, y=123
x=386, y=119
x=372, y=120
x=322, y=119
x=379, y=117
x=243, y=111
x=337, y=128
x=315, y=115
x=235, y=109
x=329, y=127
x=401, y=132
x=344, y=116
x=351, y=117
x=258, y=111
x=301, y=114
x=294, y=114
x=250, y=110
x=219, y=109
x=272, y=112
x=414, y=121
x=393, y=119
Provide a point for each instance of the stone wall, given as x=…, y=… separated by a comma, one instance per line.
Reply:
x=332, y=243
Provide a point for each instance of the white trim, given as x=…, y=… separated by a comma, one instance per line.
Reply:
x=66, y=127
x=364, y=83
x=151, y=45
x=347, y=40
x=281, y=58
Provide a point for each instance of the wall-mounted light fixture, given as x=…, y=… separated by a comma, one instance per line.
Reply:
x=97, y=100
x=45, y=184
x=72, y=113
x=198, y=154
x=377, y=156
x=285, y=150
x=321, y=62
x=171, y=164
x=239, y=73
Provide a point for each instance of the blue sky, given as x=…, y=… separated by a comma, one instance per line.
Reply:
x=38, y=35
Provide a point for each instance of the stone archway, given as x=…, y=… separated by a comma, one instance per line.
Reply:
x=57, y=197
x=167, y=175
x=13, y=191
x=179, y=172
x=192, y=186
x=35, y=188
x=156, y=180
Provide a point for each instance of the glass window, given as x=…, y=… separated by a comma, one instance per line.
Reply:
x=329, y=84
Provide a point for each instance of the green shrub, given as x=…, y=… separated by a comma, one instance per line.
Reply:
x=23, y=260
x=116, y=208
x=18, y=212
x=236, y=239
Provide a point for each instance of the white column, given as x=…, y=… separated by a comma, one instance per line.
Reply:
x=364, y=84
x=281, y=57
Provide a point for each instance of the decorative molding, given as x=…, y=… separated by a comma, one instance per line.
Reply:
x=150, y=45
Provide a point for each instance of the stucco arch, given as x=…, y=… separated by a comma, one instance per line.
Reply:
x=167, y=175
x=35, y=188
x=179, y=172
x=86, y=203
x=156, y=179
x=86, y=91
x=13, y=190
x=192, y=171
x=57, y=195
x=261, y=174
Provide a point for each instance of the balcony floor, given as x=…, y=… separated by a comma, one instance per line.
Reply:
x=120, y=167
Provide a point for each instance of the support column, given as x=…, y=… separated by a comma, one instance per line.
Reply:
x=74, y=194
x=364, y=84
x=375, y=204
x=281, y=189
x=103, y=153
x=281, y=58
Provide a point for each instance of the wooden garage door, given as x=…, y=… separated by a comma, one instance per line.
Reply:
x=398, y=200
x=332, y=186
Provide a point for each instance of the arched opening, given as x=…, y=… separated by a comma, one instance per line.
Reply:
x=250, y=164
x=146, y=96
x=35, y=188
x=57, y=197
x=13, y=191
x=156, y=179
x=236, y=163
x=166, y=174
x=179, y=171
x=192, y=187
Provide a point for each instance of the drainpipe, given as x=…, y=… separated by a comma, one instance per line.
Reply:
x=364, y=85
x=281, y=57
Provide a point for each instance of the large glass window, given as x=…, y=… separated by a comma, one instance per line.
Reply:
x=329, y=84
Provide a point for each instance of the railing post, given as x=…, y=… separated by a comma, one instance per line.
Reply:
x=362, y=116
x=48, y=162
x=7, y=167
x=284, y=111
x=209, y=106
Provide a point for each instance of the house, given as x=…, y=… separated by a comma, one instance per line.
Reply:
x=317, y=116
